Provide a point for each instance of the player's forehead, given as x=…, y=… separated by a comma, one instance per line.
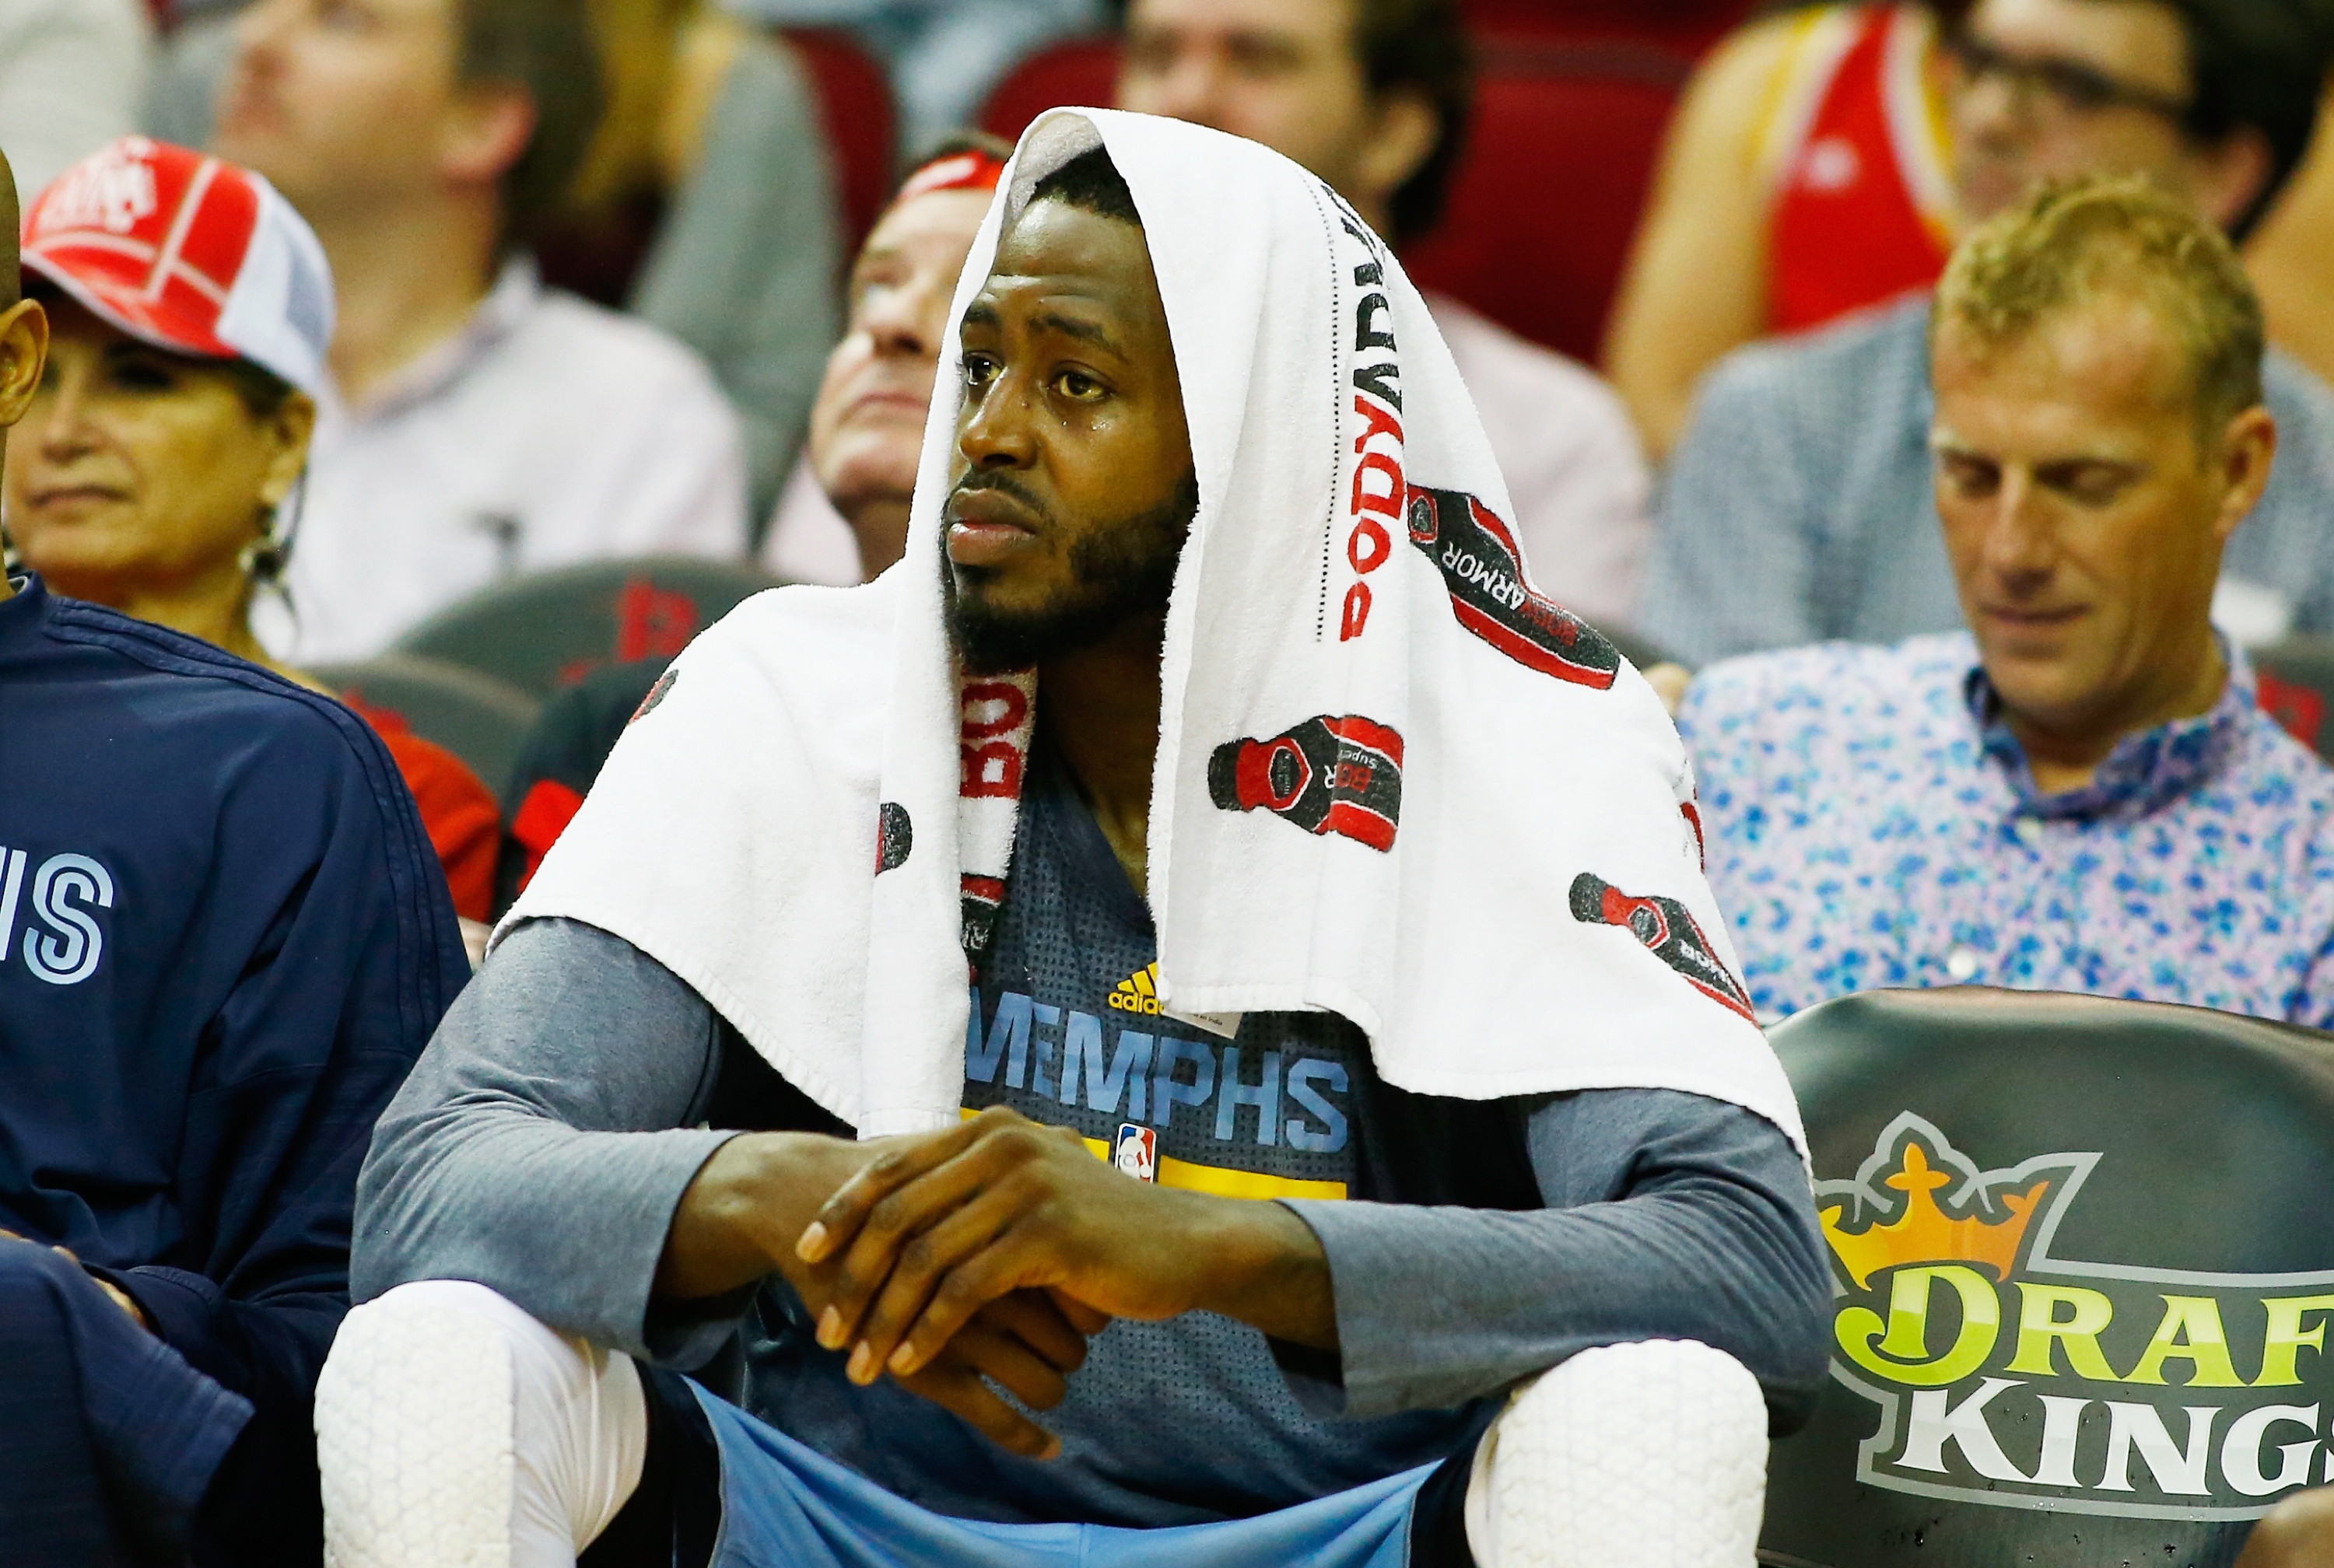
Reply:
x=1062, y=267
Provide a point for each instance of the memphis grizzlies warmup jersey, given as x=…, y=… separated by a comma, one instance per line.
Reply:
x=1193, y=1417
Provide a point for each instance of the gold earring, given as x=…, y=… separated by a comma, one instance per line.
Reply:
x=262, y=562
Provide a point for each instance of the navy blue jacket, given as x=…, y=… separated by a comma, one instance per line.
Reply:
x=223, y=940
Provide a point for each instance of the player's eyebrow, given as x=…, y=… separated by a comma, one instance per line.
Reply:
x=1084, y=331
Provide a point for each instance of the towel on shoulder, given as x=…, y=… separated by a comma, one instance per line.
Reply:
x=1394, y=780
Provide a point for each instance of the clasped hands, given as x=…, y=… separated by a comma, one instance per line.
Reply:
x=988, y=1251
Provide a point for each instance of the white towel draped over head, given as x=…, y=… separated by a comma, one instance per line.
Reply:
x=1394, y=781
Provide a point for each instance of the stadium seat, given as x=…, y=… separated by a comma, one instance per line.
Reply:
x=542, y=632
x=479, y=719
x=1686, y=27
x=2083, y=1261
x=2295, y=680
x=1083, y=71
x=1546, y=202
x=854, y=100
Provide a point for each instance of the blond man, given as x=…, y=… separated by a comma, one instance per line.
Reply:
x=2078, y=793
x=1795, y=504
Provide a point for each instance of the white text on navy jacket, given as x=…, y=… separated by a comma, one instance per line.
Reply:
x=62, y=940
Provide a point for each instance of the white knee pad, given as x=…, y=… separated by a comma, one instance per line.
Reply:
x=455, y=1431
x=1639, y=1456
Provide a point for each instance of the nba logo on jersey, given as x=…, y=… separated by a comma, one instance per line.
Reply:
x=1138, y=1151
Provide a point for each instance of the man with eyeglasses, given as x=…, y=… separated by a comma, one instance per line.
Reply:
x=1799, y=507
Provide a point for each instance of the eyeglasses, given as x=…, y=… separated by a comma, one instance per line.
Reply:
x=2068, y=85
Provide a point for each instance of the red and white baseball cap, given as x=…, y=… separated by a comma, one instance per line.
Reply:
x=190, y=254
x=971, y=168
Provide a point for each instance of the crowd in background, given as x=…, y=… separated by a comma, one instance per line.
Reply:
x=1954, y=593
x=701, y=184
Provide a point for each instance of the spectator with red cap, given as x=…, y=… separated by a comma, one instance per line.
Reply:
x=843, y=517
x=475, y=425
x=172, y=428
x=221, y=949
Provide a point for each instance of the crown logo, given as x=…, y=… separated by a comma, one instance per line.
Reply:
x=1924, y=1233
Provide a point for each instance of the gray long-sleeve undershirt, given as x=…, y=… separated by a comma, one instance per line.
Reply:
x=545, y=1139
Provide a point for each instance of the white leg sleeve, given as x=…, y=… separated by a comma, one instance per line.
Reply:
x=1638, y=1455
x=455, y=1431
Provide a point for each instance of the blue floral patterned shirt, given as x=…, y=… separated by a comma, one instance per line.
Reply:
x=1872, y=822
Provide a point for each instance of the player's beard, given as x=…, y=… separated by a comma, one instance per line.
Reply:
x=1119, y=573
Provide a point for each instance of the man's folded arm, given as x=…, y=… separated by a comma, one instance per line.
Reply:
x=544, y=1140
x=333, y=1003
x=1669, y=1217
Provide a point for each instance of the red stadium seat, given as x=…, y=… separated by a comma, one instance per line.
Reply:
x=1687, y=27
x=2294, y=681
x=1083, y=71
x=854, y=100
x=471, y=714
x=1546, y=200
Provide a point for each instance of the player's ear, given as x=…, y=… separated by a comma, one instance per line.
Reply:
x=23, y=351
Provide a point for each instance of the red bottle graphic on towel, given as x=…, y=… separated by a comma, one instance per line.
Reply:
x=1327, y=775
x=1668, y=931
x=1475, y=550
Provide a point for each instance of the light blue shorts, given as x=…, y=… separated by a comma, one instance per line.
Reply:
x=787, y=1506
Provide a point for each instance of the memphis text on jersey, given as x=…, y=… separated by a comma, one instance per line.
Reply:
x=1240, y=1122
x=2009, y=1377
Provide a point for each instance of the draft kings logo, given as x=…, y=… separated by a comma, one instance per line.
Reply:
x=2008, y=1376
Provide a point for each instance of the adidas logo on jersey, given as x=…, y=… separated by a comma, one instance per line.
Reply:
x=1139, y=992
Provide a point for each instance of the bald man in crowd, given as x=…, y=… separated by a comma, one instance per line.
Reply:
x=844, y=515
